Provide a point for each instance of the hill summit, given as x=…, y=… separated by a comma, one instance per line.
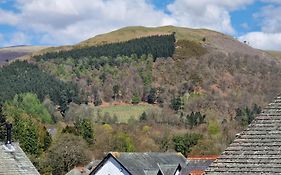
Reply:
x=211, y=39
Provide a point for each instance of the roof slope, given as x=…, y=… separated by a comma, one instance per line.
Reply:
x=136, y=163
x=169, y=169
x=16, y=163
x=198, y=164
x=257, y=150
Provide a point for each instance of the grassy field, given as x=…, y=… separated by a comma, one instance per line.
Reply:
x=125, y=112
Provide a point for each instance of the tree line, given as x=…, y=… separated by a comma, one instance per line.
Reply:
x=158, y=46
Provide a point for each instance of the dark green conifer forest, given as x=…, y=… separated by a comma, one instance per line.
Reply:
x=21, y=77
x=158, y=46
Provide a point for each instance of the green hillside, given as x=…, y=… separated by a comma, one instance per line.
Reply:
x=216, y=66
x=129, y=33
x=144, y=89
x=208, y=38
x=133, y=32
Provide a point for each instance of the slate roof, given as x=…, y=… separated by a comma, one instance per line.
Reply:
x=136, y=163
x=151, y=172
x=149, y=163
x=168, y=169
x=198, y=164
x=16, y=163
x=257, y=150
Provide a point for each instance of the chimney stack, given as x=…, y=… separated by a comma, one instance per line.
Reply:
x=9, y=133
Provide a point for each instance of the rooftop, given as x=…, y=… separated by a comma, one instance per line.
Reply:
x=257, y=150
x=15, y=163
x=198, y=164
x=136, y=163
x=149, y=163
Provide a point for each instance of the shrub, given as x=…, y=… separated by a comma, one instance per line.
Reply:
x=136, y=99
x=183, y=143
x=176, y=103
x=122, y=142
x=143, y=117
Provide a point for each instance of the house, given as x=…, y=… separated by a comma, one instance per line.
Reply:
x=13, y=161
x=198, y=164
x=142, y=164
x=194, y=165
x=256, y=150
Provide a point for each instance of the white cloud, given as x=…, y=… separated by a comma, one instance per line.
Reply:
x=262, y=40
x=17, y=38
x=13, y=39
x=269, y=38
x=272, y=1
x=70, y=21
x=270, y=18
x=8, y=17
x=212, y=14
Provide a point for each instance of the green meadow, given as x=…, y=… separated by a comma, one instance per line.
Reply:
x=125, y=112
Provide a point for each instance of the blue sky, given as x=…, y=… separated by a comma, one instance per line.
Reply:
x=59, y=22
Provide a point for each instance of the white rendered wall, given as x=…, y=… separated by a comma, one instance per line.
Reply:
x=112, y=167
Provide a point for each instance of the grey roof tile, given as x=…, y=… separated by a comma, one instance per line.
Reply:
x=256, y=150
x=138, y=163
x=168, y=169
x=16, y=163
x=198, y=164
x=151, y=172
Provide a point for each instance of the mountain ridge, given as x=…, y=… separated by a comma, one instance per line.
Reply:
x=18, y=52
x=213, y=39
x=208, y=38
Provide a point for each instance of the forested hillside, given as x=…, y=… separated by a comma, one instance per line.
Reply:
x=118, y=71
x=21, y=77
x=179, y=90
